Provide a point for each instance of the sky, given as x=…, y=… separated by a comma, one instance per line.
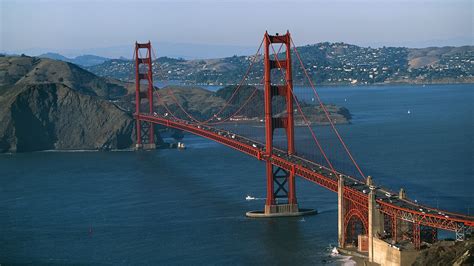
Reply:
x=208, y=28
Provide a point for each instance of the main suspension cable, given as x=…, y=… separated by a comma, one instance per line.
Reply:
x=227, y=103
x=326, y=112
x=308, y=124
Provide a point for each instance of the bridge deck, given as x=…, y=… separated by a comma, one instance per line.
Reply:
x=355, y=190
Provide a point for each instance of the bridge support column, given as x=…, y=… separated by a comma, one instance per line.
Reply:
x=280, y=182
x=281, y=200
x=280, y=185
x=416, y=235
x=375, y=221
x=145, y=135
x=340, y=213
x=394, y=230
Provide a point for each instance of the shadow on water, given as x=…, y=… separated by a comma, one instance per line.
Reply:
x=206, y=184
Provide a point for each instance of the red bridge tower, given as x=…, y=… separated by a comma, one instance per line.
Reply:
x=143, y=72
x=281, y=193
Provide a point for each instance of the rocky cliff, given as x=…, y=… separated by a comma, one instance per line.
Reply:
x=54, y=116
x=448, y=253
x=47, y=104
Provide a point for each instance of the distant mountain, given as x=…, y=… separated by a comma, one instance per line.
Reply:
x=326, y=63
x=82, y=60
x=89, y=60
x=55, y=56
x=176, y=50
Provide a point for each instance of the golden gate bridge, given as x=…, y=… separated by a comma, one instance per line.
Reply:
x=364, y=209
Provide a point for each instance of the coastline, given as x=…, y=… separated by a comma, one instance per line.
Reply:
x=394, y=83
x=209, y=87
x=297, y=85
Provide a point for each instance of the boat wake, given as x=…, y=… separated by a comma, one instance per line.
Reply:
x=248, y=198
x=339, y=258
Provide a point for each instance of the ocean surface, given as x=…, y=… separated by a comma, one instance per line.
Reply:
x=188, y=207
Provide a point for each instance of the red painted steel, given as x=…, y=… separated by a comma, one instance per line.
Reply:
x=268, y=122
x=356, y=213
x=394, y=225
x=139, y=95
x=285, y=90
x=271, y=122
x=416, y=235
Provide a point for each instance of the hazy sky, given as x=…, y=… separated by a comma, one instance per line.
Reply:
x=79, y=25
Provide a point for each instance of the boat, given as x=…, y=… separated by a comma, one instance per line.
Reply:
x=181, y=146
x=409, y=112
x=249, y=198
x=334, y=251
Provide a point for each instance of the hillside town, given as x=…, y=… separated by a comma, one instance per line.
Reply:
x=326, y=63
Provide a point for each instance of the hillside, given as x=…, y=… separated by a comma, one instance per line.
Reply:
x=48, y=104
x=433, y=56
x=203, y=104
x=53, y=116
x=326, y=63
x=447, y=253
x=24, y=70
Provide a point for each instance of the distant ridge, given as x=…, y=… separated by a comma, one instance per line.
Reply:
x=82, y=60
x=326, y=63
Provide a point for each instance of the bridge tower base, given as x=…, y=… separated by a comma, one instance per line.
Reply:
x=281, y=213
x=147, y=146
x=281, y=194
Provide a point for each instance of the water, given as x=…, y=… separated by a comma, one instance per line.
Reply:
x=162, y=84
x=187, y=207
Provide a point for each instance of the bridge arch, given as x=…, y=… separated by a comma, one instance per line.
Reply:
x=355, y=223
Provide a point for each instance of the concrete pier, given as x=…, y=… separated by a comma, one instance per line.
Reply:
x=375, y=222
x=146, y=146
x=386, y=254
x=281, y=210
x=340, y=212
